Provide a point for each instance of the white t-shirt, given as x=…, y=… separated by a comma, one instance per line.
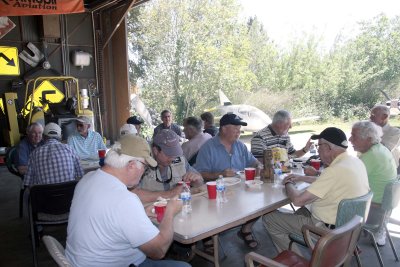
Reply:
x=107, y=223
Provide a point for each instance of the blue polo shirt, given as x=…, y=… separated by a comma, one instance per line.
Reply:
x=24, y=149
x=213, y=156
x=86, y=148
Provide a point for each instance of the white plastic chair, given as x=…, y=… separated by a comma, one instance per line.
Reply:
x=56, y=251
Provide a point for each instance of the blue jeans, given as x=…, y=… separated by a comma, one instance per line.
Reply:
x=163, y=263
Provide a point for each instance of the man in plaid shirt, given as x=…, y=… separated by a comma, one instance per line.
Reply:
x=53, y=162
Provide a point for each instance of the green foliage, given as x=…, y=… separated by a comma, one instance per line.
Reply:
x=183, y=51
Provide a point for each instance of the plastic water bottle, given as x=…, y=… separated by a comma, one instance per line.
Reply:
x=221, y=198
x=186, y=197
x=313, y=150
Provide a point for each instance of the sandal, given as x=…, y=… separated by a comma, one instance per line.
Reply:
x=248, y=238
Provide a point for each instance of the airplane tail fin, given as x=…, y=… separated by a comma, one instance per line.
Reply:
x=141, y=109
x=223, y=100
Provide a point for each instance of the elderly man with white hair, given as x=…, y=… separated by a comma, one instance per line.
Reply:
x=344, y=177
x=380, y=164
x=108, y=225
x=380, y=115
x=32, y=140
x=86, y=142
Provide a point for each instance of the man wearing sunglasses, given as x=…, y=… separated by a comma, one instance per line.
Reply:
x=345, y=176
x=86, y=142
x=172, y=168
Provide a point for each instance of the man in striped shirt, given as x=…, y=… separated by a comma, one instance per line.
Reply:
x=53, y=162
x=86, y=142
x=276, y=135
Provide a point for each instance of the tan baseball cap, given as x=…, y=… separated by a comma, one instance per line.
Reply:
x=136, y=146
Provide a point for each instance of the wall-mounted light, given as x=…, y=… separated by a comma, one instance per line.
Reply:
x=81, y=59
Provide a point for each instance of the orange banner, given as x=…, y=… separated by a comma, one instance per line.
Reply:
x=40, y=7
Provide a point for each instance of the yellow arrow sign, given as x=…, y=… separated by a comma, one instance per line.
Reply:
x=9, y=63
x=45, y=90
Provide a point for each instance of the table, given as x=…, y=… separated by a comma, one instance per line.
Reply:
x=89, y=165
x=208, y=219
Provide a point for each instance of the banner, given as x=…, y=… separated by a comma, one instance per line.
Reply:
x=40, y=7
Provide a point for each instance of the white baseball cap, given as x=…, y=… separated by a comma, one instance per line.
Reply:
x=52, y=130
x=127, y=129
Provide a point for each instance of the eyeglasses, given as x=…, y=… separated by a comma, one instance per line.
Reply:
x=319, y=145
x=80, y=125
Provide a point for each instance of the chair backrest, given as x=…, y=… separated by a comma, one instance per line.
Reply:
x=391, y=196
x=56, y=251
x=11, y=160
x=348, y=208
x=337, y=246
x=51, y=198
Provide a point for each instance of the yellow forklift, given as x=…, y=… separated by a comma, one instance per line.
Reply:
x=43, y=103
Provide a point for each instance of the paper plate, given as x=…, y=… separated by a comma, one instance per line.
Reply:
x=254, y=183
x=231, y=181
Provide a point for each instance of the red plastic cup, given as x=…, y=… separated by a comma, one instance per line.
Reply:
x=249, y=173
x=315, y=163
x=212, y=190
x=159, y=209
x=102, y=153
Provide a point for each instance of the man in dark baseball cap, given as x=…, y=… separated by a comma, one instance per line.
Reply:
x=136, y=121
x=232, y=119
x=344, y=177
x=332, y=135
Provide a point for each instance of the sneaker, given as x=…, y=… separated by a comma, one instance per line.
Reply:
x=380, y=237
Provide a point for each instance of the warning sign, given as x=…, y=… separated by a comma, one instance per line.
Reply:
x=46, y=90
x=9, y=63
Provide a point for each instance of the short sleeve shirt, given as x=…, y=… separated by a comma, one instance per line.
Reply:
x=266, y=139
x=346, y=177
x=213, y=156
x=381, y=169
x=87, y=148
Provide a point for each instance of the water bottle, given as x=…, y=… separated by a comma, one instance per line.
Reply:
x=221, y=190
x=186, y=198
x=313, y=150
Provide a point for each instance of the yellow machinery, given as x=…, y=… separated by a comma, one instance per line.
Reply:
x=40, y=96
x=43, y=94
x=11, y=132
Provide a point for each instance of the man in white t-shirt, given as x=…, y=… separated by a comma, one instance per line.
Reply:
x=108, y=225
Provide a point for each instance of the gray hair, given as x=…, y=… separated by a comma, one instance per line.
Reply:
x=281, y=116
x=33, y=125
x=194, y=122
x=383, y=109
x=119, y=161
x=368, y=129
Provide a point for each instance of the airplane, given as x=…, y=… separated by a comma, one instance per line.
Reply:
x=256, y=119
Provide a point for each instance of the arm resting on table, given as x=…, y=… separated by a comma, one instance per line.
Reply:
x=297, y=197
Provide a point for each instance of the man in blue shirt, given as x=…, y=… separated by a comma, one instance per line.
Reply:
x=224, y=155
x=86, y=142
x=27, y=145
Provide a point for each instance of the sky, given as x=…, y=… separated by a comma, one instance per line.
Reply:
x=288, y=19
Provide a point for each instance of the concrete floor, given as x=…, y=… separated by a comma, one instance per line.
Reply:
x=15, y=249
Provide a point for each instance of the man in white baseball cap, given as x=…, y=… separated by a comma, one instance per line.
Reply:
x=53, y=162
x=86, y=142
